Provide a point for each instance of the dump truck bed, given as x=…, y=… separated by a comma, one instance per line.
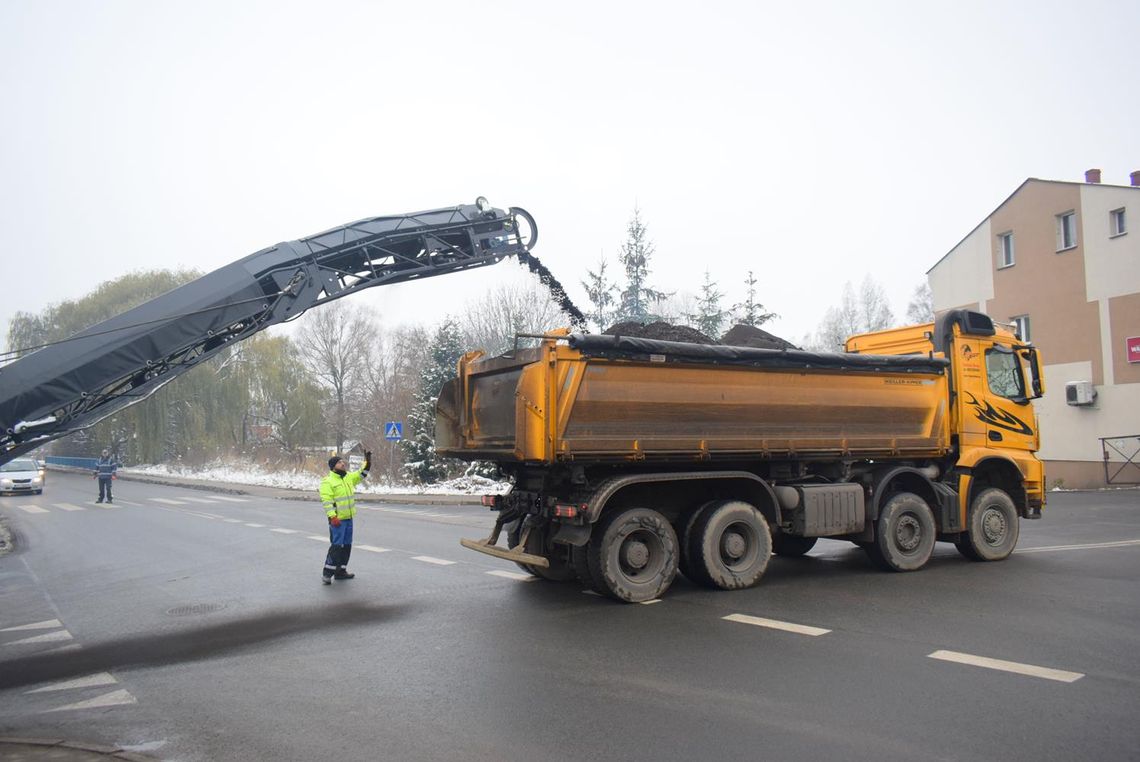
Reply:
x=603, y=398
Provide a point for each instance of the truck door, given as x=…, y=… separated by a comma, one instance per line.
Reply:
x=995, y=399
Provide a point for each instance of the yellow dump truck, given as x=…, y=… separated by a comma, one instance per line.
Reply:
x=633, y=459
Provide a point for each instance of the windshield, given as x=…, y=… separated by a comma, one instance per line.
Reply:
x=19, y=465
x=1004, y=374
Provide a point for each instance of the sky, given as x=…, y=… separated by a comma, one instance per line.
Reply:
x=812, y=143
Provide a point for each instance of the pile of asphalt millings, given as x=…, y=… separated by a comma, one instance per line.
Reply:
x=739, y=335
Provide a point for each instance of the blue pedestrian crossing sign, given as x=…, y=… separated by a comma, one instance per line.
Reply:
x=393, y=431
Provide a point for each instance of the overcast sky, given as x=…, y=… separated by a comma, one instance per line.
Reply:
x=810, y=142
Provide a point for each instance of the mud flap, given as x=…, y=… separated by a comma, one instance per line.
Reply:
x=491, y=548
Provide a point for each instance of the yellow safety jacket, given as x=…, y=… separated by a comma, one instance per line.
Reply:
x=336, y=494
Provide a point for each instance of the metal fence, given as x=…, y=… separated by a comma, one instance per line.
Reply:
x=57, y=460
x=1126, y=468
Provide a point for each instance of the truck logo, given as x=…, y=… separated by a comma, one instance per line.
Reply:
x=967, y=352
x=999, y=418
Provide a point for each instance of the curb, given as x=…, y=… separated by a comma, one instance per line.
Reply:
x=44, y=744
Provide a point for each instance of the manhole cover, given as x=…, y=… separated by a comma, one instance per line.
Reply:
x=196, y=608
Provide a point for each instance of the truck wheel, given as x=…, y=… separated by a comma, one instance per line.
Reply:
x=632, y=555
x=791, y=546
x=994, y=527
x=683, y=536
x=559, y=569
x=729, y=545
x=904, y=534
x=581, y=564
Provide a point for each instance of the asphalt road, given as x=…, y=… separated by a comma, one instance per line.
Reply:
x=192, y=625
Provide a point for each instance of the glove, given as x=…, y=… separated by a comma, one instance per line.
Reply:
x=367, y=456
x=334, y=521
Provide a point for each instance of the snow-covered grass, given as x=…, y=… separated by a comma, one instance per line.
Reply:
x=225, y=474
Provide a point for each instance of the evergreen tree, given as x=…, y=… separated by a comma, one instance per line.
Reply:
x=420, y=460
x=709, y=318
x=636, y=252
x=751, y=312
x=600, y=291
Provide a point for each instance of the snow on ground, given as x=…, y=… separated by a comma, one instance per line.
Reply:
x=464, y=485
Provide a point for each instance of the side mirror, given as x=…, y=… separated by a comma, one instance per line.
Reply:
x=1036, y=385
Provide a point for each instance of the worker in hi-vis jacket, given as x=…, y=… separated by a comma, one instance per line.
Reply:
x=105, y=472
x=340, y=508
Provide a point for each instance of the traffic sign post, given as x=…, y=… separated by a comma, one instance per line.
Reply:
x=393, y=432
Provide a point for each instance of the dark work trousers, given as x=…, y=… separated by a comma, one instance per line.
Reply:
x=340, y=548
x=105, y=489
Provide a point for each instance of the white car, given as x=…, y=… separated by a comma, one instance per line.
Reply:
x=21, y=475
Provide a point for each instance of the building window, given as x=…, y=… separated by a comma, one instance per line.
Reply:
x=1021, y=327
x=1066, y=230
x=1116, y=224
x=1005, y=246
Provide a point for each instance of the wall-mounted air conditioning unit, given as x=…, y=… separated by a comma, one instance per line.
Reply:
x=1080, y=393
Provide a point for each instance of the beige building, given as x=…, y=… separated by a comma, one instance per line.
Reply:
x=1061, y=261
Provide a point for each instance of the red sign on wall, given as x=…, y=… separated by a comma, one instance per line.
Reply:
x=1133, y=343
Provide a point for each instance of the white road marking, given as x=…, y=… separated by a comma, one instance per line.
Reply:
x=51, y=637
x=775, y=624
x=1085, y=546
x=68, y=507
x=167, y=501
x=199, y=499
x=47, y=624
x=317, y=537
x=370, y=548
x=592, y=592
x=430, y=560
x=512, y=575
x=231, y=499
x=233, y=521
x=1031, y=670
x=32, y=509
x=256, y=526
x=115, y=698
x=91, y=681
x=285, y=531
x=202, y=515
x=130, y=503
x=651, y=600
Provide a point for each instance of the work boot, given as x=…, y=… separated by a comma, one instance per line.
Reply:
x=343, y=574
x=326, y=580
x=99, y=500
x=109, y=500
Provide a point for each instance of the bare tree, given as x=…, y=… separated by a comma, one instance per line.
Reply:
x=867, y=312
x=491, y=322
x=337, y=343
x=921, y=307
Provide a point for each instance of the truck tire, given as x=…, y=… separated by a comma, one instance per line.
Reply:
x=581, y=564
x=559, y=570
x=632, y=555
x=993, y=528
x=685, y=531
x=790, y=546
x=729, y=545
x=904, y=534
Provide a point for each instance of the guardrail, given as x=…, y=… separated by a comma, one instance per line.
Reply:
x=57, y=460
x=1128, y=448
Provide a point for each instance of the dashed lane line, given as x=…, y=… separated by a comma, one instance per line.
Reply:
x=47, y=624
x=775, y=624
x=512, y=575
x=131, y=503
x=432, y=560
x=231, y=499
x=375, y=549
x=91, y=681
x=233, y=521
x=317, y=537
x=32, y=509
x=255, y=526
x=115, y=698
x=199, y=499
x=1030, y=670
x=1084, y=546
x=166, y=501
x=68, y=507
x=51, y=637
x=279, y=530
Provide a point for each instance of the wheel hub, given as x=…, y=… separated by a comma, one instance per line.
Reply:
x=635, y=554
x=733, y=545
x=993, y=526
x=908, y=533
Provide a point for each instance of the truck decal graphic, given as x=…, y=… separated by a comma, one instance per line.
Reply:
x=999, y=418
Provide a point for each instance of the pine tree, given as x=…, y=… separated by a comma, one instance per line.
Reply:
x=635, y=255
x=600, y=292
x=751, y=312
x=421, y=463
x=709, y=317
